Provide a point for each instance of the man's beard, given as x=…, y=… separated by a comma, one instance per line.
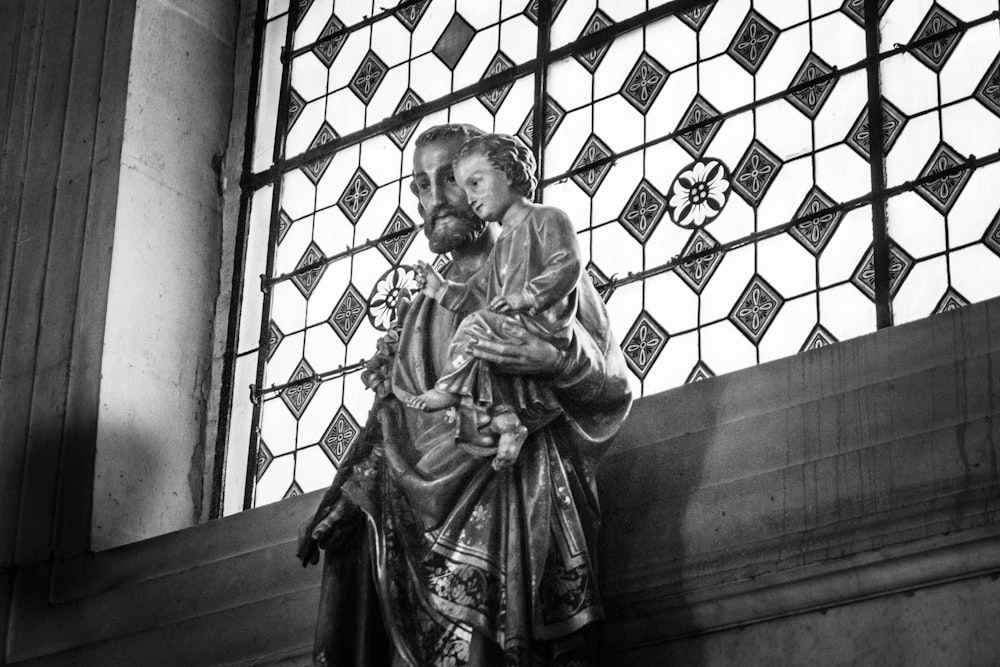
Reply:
x=448, y=228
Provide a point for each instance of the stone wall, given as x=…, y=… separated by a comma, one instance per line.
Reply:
x=157, y=356
x=849, y=473
x=114, y=117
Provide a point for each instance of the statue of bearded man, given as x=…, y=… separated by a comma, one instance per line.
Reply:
x=431, y=556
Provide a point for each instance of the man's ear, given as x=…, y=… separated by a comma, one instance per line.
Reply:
x=413, y=187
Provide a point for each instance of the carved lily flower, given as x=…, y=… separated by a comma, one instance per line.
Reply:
x=390, y=291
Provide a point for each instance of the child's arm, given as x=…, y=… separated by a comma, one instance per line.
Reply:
x=454, y=296
x=431, y=282
x=561, y=263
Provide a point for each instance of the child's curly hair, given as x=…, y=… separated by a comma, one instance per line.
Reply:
x=507, y=154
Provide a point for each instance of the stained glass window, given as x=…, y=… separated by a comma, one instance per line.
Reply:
x=749, y=179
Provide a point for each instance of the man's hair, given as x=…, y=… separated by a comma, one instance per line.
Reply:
x=507, y=154
x=446, y=132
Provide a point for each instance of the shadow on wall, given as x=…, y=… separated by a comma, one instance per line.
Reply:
x=647, y=482
x=140, y=490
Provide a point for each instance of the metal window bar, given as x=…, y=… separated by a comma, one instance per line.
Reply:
x=872, y=60
x=239, y=262
x=287, y=57
x=873, y=198
x=539, y=67
x=876, y=162
x=281, y=123
x=870, y=63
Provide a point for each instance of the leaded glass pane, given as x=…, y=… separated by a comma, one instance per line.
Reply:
x=716, y=163
x=754, y=160
x=240, y=420
x=255, y=265
x=945, y=112
x=276, y=8
x=268, y=92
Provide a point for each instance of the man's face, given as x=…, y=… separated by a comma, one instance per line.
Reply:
x=449, y=222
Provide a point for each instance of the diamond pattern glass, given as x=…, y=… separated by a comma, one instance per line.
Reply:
x=856, y=9
x=699, y=114
x=298, y=396
x=295, y=106
x=696, y=16
x=554, y=115
x=369, y=76
x=592, y=57
x=328, y=47
x=813, y=94
x=900, y=265
x=818, y=337
x=309, y=270
x=348, y=313
x=936, y=53
x=698, y=270
x=644, y=82
x=816, y=231
x=947, y=113
x=643, y=212
x=988, y=90
x=274, y=338
x=943, y=191
x=454, y=41
x=593, y=150
x=951, y=300
x=753, y=41
x=315, y=170
x=643, y=344
x=893, y=120
x=756, y=308
x=342, y=432
x=755, y=172
x=647, y=135
x=494, y=98
x=401, y=135
x=700, y=372
x=357, y=195
x=410, y=15
x=397, y=236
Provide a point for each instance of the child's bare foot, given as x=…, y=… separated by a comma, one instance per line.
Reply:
x=512, y=436
x=433, y=400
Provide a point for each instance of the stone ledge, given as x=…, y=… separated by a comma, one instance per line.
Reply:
x=803, y=589
x=198, y=546
x=262, y=632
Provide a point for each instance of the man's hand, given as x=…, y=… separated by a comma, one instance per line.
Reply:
x=517, y=352
x=430, y=281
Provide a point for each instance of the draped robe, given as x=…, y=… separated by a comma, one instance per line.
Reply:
x=469, y=566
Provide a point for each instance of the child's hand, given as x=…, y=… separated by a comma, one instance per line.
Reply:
x=512, y=303
x=430, y=281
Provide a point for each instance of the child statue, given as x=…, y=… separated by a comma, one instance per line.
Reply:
x=532, y=273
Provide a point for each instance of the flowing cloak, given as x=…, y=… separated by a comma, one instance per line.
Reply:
x=470, y=566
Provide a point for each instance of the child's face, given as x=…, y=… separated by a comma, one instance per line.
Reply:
x=486, y=187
